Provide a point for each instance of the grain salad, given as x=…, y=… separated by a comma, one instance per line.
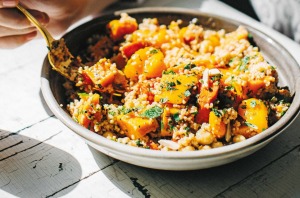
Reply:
x=175, y=87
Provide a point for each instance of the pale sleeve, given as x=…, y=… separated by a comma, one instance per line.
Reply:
x=282, y=15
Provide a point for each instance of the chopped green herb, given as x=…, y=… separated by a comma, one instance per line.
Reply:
x=187, y=93
x=164, y=100
x=125, y=110
x=169, y=72
x=216, y=77
x=138, y=142
x=217, y=112
x=245, y=61
x=176, y=117
x=230, y=62
x=253, y=103
x=154, y=51
x=82, y=95
x=228, y=88
x=251, y=125
x=170, y=86
x=189, y=66
x=170, y=124
x=250, y=36
x=112, y=113
x=178, y=82
x=153, y=112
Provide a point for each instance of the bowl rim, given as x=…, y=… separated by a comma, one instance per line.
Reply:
x=280, y=125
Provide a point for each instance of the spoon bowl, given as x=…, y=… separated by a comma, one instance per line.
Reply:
x=59, y=55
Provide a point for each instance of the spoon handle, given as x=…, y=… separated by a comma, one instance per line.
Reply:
x=48, y=37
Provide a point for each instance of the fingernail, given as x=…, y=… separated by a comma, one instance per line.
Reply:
x=31, y=35
x=9, y=3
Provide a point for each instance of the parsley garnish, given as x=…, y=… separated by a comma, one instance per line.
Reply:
x=154, y=51
x=139, y=143
x=245, y=61
x=217, y=112
x=189, y=66
x=112, y=113
x=187, y=93
x=251, y=125
x=170, y=86
x=253, y=103
x=153, y=112
x=230, y=62
x=125, y=110
x=227, y=88
x=83, y=95
x=216, y=77
x=163, y=100
x=169, y=72
x=250, y=36
x=176, y=117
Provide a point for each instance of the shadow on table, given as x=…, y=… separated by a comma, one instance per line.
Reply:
x=30, y=168
x=218, y=181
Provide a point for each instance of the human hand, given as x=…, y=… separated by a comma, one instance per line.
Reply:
x=15, y=29
x=56, y=15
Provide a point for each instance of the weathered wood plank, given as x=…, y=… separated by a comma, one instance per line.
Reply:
x=280, y=178
x=47, y=160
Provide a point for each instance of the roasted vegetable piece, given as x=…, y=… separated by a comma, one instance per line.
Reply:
x=254, y=85
x=175, y=88
x=88, y=113
x=207, y=95
x=102, y=73
x=119, y=28
x=166, y=121
x=136, y=127
x=255, y=114
x=148, y=61
x=130, y=48
x=155, y=63
x=218, y=127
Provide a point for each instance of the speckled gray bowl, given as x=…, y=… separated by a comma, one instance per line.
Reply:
x=289, y=75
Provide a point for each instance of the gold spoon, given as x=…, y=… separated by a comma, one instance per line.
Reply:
x=59, y=55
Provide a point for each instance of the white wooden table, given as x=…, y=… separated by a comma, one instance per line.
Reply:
x=40, y=157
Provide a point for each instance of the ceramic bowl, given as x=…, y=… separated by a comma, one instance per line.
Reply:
x=276, y=54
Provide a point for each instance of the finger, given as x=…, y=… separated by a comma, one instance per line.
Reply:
x=5, y=31
x=8, y=3
x=12, y=18
x=11, y=42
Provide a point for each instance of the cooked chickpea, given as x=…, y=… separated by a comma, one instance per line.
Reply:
x=205, y=138
x=238, y=138
x=188, y=148
x=217, y=144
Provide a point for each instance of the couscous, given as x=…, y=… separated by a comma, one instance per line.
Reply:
x=175, y=88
